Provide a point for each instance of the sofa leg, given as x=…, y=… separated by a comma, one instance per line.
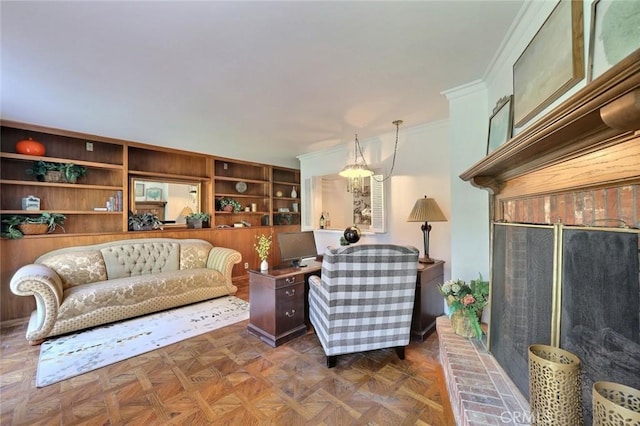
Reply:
x=331, y=361
x=400, y=351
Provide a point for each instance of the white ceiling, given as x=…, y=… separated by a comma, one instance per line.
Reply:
x=262, y=81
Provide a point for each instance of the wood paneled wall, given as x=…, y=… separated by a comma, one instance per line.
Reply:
x=16, y=253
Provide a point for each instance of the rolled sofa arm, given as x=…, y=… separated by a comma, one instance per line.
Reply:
x=45, y=285
x=222, y=259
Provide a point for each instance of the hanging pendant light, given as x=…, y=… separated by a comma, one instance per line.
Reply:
x=358, y=170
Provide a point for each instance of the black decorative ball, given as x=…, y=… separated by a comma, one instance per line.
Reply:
x=352, y=234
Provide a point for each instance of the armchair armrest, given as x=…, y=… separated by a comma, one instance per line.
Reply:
x=222, y=259
x=45, y=285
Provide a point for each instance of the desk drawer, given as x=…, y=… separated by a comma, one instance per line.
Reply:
x=289, y=307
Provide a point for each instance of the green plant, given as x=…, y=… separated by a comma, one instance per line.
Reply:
x=262, y=246
x=70, y=171
x=468, y=298
x=11, y=224
x=144, y=221
x=199, y=216
x=40, y=168
x=228, y=201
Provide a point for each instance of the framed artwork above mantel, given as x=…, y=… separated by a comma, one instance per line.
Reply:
x=552, y=63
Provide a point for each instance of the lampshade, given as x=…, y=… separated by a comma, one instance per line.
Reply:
x=355, y=171
x=186, y=211
x=426, y=210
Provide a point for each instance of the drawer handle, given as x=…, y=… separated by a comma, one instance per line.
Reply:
x=290, y=280
x=290, y=292
x=291, y=313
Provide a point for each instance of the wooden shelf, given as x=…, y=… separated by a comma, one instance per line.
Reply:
x=57, y=185
x=64, y=212
x=165, y=176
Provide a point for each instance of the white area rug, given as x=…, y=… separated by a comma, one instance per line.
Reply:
x=71, y=355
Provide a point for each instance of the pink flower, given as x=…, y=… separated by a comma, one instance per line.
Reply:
x=468, y=300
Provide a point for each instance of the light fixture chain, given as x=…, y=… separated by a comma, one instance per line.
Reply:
x=395, y=151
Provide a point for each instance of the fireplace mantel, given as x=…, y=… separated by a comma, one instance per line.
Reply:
x=601, y=119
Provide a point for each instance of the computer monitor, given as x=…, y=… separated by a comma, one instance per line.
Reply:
x=296, y=246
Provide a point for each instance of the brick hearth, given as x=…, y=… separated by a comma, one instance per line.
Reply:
x=480, y=391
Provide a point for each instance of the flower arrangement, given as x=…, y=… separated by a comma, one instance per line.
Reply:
x=262, y=246
x=469, y=299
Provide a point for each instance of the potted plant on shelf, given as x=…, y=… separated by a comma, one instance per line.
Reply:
x=198, y=220
x=466, y=303
x=262, y=246
x=72, y=171
x=228, y=204
x=18, y=226
x=46, y=171
x=144, y=222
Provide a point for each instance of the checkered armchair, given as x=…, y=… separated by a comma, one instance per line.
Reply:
x=364, y=300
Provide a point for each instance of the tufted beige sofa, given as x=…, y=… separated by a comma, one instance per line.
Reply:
x=84, y=286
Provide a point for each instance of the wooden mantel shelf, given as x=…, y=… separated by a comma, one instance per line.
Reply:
x=575, y=128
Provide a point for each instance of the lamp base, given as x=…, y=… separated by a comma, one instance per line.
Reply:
x=426, y=260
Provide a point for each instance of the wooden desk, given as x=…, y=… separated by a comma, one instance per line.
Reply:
x=429, y=303
x=279, y=305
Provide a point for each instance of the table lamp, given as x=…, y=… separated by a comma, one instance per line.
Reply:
x=426, y=210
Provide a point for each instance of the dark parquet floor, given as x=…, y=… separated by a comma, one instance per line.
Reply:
x=228, y=377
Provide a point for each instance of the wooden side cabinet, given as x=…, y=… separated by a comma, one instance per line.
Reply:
x=429, y=303
x=277, y=305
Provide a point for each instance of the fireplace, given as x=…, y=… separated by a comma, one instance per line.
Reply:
x=572, y=287
x=565, y=211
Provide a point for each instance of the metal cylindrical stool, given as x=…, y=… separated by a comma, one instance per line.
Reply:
x=555, y=389
x=615, y=404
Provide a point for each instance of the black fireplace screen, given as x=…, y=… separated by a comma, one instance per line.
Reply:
x=600, y=301
x=521, y=292
x=600, y=321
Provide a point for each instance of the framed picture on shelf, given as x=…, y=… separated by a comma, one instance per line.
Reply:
x=154, y=194
x=500, y=124
x=614, y=35
x=139, y=189
x=551, y=63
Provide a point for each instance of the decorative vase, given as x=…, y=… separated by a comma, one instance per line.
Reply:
x=228, y=208
x=615, y=404
x=555, y=388
x=294, y=193
x=30, y=147
x=461, y=324
x=194, y=223
x=264, y=265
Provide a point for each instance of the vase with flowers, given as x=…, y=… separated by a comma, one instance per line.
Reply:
x=466, y=302
x=262, y=246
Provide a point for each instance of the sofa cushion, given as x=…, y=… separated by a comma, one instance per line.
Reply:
x=77, y=268
x=150, y=257
x=194, y=255
x=136, y=289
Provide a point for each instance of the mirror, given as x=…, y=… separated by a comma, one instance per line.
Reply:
x=170, y=200
x=364, y=209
